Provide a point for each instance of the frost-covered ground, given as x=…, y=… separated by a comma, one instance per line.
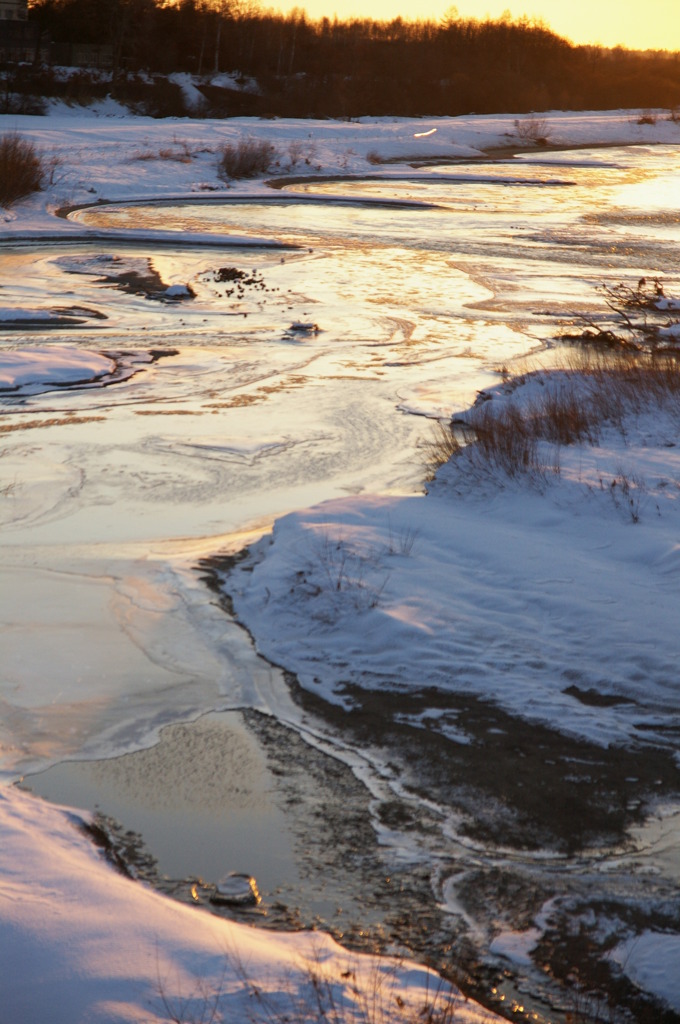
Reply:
x=537, y=593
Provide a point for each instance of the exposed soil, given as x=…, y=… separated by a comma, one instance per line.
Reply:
x=575, y=950
x=520, y=785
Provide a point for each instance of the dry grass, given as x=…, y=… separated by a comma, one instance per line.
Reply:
x=533, y=129
x=506, y=437
x=246, y=158
x=589, y=392
x=319, y=994
x=624, y=384
x=179, y=152
x=22, y=169
x=328, y=997
x=563, y=418
x=178, y=156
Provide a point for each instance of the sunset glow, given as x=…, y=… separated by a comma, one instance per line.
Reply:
x=654, y=25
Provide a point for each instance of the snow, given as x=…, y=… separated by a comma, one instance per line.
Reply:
x=99, y=154
x=179, y=291
x=523, y=585
x=519, y=584
x=516, y=946
x=83, y=943
x=651, y=961
x=7, y=313
x=56, y=364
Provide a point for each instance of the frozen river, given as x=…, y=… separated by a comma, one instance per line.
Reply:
x=281, y=376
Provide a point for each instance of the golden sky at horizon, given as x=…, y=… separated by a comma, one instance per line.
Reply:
x=652, y=24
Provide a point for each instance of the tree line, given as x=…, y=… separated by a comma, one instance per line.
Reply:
x=356, y=67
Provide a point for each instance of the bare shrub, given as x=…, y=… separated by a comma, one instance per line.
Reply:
x=22, y=103
x=646, y=294
x=627, y=491
x=300, y=152
x=639, y=316
x=296, y=150
x=22, y=170
x=246, y=158
x=343, y=567
x=345, y=157
x=533, y=129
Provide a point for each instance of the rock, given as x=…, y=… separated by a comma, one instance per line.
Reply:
x=236, y=889
x=303, y=327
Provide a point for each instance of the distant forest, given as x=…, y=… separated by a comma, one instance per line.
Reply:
x=331, y=68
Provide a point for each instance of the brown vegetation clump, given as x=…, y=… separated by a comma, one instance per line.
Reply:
x=598, y=389
x=247, y=158
x=533, y=129
x=21, y=169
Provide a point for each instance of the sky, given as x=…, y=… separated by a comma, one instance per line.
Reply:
x=654, y=24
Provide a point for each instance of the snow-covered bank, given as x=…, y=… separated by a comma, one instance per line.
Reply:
x=82, y=943
x=531, y=592
x=122, y=157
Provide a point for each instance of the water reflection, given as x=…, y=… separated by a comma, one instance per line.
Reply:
x=202, y=798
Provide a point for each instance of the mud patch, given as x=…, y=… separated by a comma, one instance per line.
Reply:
x=515, y=784
x=577, y=948
x=595, y=698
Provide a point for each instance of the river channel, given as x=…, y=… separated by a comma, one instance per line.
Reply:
x=269, y=378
